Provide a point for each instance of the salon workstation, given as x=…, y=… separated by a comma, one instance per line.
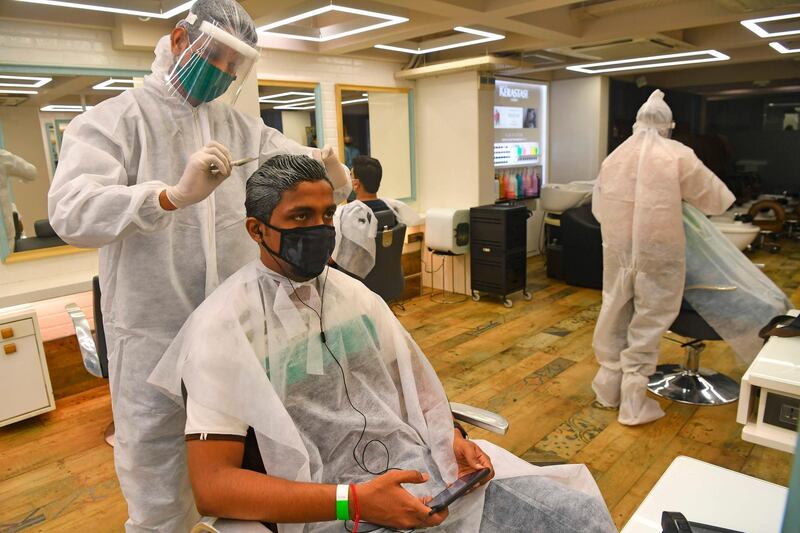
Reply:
x=458, y=266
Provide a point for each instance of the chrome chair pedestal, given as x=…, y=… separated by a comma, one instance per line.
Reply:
x=691, y=384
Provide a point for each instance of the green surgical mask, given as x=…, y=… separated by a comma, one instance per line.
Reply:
x=202, y=81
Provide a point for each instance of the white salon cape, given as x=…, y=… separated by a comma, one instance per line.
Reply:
x=356, y=229
x=156, y=266
x=749, y=299
x=252, y=351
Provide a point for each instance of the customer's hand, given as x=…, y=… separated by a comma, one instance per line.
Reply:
x=206, y=169
x=470, y=457
x=383, y=501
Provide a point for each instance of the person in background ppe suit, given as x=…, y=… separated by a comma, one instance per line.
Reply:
x=637, y=200
x=11, y=166
x=147, y=178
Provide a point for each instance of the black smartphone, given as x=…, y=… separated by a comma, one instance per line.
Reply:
x=457, y=490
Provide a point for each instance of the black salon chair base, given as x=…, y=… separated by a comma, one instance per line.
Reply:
x=689, y=383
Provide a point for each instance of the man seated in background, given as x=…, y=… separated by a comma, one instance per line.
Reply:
x=307, y=401
x=357, y=223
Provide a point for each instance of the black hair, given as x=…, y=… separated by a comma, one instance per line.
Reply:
x=277, y=175
x=369, y=172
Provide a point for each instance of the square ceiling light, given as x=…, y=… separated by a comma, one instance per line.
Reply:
x=114, y=85
x=17, y=91
x=23, y=82
x=784, y=28
x=641, y=63
x=140, y=8
x=467, y=37
x=65, y=108
x=295, y=107
x=287, y=98
x=290, y=28
x=782, y=48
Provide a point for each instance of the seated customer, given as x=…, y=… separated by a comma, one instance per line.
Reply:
x=367, y=174
x=335, y=391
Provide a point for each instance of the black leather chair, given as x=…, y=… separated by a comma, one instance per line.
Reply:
x=93, y=347
x=386, y=278
x=583, y=248
x=46, y=237
x=689, y=383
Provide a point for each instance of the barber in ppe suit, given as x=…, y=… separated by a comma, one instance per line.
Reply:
x=147, y=177
x=637, y=200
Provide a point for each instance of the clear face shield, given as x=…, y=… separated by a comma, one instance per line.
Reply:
x=213, y=66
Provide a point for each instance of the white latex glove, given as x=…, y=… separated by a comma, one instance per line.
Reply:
x=198, y=181
x=336, y=171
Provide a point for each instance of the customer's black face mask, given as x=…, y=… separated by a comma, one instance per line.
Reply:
x=306, y=249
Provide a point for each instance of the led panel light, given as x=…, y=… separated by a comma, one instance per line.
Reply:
x=64, y=108
x=25, y=82
x=358, y=101
x=387, y=20
x=17, y=91
x=780, y=47
x=295, y=107
x=280, y=98
x=483, y=37
x=114, y=85
x=754, y=25
x=641, y=63
x=121, y=11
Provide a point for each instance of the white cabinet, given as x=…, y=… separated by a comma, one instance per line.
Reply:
x=25, y=389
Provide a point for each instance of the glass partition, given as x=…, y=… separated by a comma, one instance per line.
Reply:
x=378, y=122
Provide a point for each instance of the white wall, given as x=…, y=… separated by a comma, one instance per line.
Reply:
x=447, y=141
x=389, y=142
x=295, y=124
x=578, y=128
x=31, y=43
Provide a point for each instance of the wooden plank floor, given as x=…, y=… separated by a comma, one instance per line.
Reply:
x=532, y=363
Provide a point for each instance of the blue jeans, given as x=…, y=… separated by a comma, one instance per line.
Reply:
x=532, y=504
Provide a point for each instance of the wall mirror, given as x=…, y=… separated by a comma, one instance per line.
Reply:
x=379, y=122
x=293, y=108
x=36, y=106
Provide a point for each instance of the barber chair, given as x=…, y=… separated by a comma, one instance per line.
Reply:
x=582, y=259
x=461, y=412
x=386, y=277
x=690, y=383
x=46, y=237
x=93, y=347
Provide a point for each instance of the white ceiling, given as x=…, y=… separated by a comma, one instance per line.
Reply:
x=542, y=36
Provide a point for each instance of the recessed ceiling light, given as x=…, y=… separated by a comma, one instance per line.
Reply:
x=76, y=5
x=26, y=82
x=280, y=98
x=754, y=25
x=17, y=91
x=114, y=85
x=65, y=108
x=780, y=47
x=483, y=37
x=641, y=63
x=358, y=101
x=321, y=36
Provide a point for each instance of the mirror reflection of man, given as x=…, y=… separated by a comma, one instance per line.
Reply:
x=148, y=178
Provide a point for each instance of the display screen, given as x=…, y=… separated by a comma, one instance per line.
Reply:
x=519, y=115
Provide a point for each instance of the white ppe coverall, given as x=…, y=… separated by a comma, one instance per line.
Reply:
x=156, y=266
x=253, y=354
x=11, y=166
x=637, y=200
